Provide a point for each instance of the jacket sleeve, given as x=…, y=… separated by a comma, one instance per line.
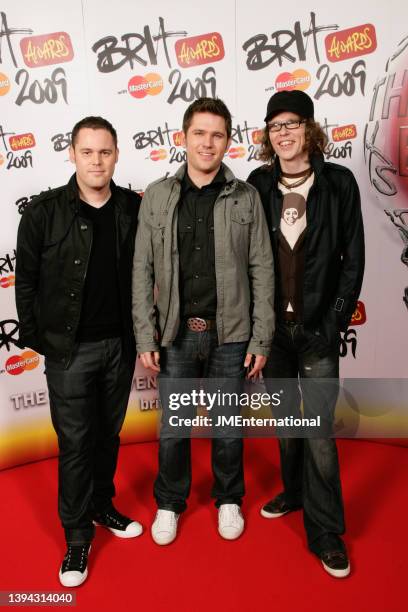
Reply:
x=30, y=239
x=143, y=308
x=352, y=266
x=262, y=282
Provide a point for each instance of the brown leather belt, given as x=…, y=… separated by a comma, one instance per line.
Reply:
x=197, y=324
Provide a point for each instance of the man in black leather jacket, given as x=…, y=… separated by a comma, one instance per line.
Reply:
x=314, y=218
x=73, y=292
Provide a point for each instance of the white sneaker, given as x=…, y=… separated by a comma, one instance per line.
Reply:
x=164, y=528
x=230, y=521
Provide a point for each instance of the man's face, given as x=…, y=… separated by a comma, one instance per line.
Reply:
x=288, y=144
x=206, y=141
x=290, y=215
x=94, y=156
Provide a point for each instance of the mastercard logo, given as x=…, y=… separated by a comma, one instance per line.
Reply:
x=17, y=364
x=158, y=154
x=4, y=84
x=1, y=159
x=149, y=85
x=298, y=79
x=236, y=152
x=7, y=281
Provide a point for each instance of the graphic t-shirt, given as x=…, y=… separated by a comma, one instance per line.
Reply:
x=293, y=218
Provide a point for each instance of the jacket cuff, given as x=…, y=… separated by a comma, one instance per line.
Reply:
x=30, y=341
x=147, y=347
x=343, y=312
x=259, y=347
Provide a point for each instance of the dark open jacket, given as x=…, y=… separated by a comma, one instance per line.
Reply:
x=334, y=242
x=53, y=249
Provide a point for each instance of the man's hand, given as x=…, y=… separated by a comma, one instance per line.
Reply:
x=257, y=365
x=151, y=360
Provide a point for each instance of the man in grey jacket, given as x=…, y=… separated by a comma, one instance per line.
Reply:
x=203, y=242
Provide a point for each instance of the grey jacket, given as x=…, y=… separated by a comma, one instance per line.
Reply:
x=243, y=267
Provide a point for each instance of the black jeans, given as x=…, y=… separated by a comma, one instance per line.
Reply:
x=309, y=466
x=88, y=402
x=195, y=355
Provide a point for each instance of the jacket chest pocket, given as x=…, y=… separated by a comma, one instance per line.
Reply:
x=242, y=216
x=241, y=224
x=241, y=220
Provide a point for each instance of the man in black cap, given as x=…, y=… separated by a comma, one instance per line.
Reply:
x=319, y=263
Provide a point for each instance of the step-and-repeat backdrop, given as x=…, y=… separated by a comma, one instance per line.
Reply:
x=140, y=65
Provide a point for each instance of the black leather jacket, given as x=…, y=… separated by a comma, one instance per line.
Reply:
x=53, y=249
x=334, y=242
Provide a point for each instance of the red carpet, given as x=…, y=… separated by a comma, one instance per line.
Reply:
x=268, y=568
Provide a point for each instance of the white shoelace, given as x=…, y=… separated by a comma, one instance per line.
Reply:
x=230, y=514
x=166, y=518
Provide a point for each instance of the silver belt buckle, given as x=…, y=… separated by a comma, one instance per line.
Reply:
x=196, y=324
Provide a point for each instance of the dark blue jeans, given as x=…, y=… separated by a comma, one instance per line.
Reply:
x=88, y=402
x=194, y=356
x=309, y=466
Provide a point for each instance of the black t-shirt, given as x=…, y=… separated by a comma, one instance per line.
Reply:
x=100, y=314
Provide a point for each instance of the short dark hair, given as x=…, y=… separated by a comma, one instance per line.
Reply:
x=94, y=123
x=315, y=141
x=208, y=105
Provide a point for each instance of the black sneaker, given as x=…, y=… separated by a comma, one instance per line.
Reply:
x=118, y=524
x=277, y=507
x=336, y=563
x=74, y=568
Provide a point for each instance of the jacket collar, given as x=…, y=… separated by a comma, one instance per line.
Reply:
x=74, y=199
x=231, y=181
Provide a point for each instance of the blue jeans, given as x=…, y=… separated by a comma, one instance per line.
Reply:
x=195, y=355
x=88, y=402
x=309, y=466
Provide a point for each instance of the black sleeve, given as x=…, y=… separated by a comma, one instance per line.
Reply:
x=28, y=261
x=352, y=269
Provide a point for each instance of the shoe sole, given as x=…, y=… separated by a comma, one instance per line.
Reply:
x=272, y=515
x=72, y=586
x=118, y=533
x=232, y=537
x=162, y=543
x=337, y=573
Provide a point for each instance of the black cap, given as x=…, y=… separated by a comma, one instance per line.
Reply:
x=294, y=101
